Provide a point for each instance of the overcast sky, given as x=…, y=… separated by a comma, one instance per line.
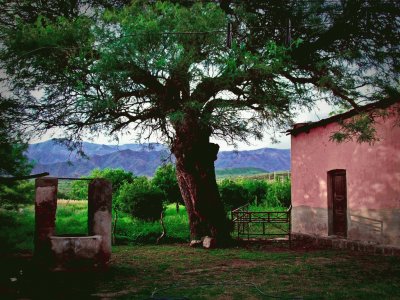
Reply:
x=320, y=111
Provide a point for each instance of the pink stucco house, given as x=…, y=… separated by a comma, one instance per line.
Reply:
x=349, y=190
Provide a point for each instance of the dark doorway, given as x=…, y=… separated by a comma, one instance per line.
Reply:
x=337, y=203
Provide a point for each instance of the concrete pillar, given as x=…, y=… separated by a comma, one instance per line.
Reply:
x=45, y=214
x=99, y=215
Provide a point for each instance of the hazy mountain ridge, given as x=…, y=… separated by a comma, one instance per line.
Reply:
x=54, y=158
x=51, y=151
x=268, y=159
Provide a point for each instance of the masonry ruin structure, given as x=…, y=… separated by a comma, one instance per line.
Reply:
x=63, y=252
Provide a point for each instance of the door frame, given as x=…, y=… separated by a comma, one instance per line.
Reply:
x=330, y=176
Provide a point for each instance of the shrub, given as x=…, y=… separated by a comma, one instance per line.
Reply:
x=279, y=194
x=256, y=189
x=79, y=190
x=141, y=199
x=117, y=177
x=232, y=194
x=165, y=180
x=16, y=193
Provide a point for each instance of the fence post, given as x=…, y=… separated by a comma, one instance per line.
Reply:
x=263, y=222
x=99, y=215
x=45, y=215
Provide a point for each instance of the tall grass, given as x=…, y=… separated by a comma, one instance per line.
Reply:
x=264, y=207
x=130, y=230
x=72, y=217
x=17, y=229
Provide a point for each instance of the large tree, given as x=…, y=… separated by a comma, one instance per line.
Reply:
x=13, y=162
x=174, y=69
x=12, y=145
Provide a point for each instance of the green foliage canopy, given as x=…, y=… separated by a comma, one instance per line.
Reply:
x=165, y=179
x=109, y=65
x=257, y=189
x=279, y=193
x=141, y=199
x=12, y=145
x=13, y=161
x=233, y=194
x=117, y=177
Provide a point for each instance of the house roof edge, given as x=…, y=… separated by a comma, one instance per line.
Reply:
x=306, y=127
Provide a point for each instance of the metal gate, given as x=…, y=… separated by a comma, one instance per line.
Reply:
x=261, y=223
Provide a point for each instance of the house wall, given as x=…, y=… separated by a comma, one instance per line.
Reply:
x=373, y=183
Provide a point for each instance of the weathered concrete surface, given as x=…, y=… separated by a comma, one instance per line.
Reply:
x=196, y=243
x=99, y=215
x=75, y=251
x=209, y=242
x=380, y=226
x=45, y=214
x=373, y=182
x=345, y=244
x=65, y=252
x=311, y=220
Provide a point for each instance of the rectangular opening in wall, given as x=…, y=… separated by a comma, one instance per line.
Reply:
x=72, y=208
x=337, y=203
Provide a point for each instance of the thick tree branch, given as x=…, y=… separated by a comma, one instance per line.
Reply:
x=210, y=87
x=336, y=91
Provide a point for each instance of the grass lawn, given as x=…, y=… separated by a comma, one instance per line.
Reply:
x=175, y=271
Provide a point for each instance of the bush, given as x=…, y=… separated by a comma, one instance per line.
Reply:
x=16, y=193
x=79, y=190
x=141, y=199
x=165, y=180
x=117, y=177
x=232, y=194
x=279, y=194
x=256, y=189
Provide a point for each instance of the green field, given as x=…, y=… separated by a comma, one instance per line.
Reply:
x=250, y=173
x=238, y=172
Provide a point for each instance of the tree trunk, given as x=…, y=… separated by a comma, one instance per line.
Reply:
x=114, y=230
x=196, y=178
x=164, y=230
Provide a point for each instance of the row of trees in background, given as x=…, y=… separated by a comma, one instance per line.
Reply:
x=144, y=198
x=235, y=193
x=139, y=196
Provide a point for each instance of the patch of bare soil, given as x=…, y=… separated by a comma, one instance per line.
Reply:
x=228, y=265
x=277, y=245
x=319, y=260
x=107, y=295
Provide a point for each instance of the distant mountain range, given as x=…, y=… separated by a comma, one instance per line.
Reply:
x=141, y=159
